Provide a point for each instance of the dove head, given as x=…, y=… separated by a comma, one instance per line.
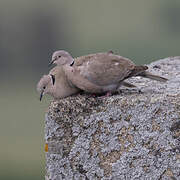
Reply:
x=45, y=85
x=61, y=58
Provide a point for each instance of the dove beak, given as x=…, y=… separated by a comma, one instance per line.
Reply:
x=51, y=62
x=41, y=95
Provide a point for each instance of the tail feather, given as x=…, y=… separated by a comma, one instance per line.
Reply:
x=127, y=84
x=146, y=74
x=138, y=70
x=141, y=71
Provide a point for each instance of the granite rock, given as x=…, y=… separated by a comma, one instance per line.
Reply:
x=134, y=134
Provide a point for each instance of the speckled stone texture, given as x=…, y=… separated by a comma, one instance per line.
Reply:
x=134, y=134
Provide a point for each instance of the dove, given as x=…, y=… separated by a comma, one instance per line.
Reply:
x=100, y=72
x=56, y=84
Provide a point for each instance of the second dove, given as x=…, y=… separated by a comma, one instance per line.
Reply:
x=100, y=72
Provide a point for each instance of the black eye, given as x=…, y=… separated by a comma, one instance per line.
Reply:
x=44, y=87
x=59, y=56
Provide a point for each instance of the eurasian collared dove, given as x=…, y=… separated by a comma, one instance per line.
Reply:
x=100, y=72
x=56, y=84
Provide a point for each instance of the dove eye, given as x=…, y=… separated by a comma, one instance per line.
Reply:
x=59, y=56
x=44, y=87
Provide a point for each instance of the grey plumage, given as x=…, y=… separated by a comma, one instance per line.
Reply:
x=100, y=72
x=56, y=84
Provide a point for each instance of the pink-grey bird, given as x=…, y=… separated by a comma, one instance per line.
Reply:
x=56, y=84
x=100, y=72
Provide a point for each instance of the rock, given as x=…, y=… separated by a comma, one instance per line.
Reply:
x=131, y=135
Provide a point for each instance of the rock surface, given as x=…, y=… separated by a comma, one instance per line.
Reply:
x=131, y=135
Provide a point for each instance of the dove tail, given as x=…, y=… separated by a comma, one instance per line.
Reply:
x=127, y=84
x=141, y=71
x=138, y=70
x=152, y=76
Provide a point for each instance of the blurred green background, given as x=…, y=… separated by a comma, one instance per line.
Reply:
x=29, y=33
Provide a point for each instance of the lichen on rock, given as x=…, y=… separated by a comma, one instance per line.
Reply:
x=131, y=135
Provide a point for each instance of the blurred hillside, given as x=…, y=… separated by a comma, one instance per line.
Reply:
x=31, y=30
